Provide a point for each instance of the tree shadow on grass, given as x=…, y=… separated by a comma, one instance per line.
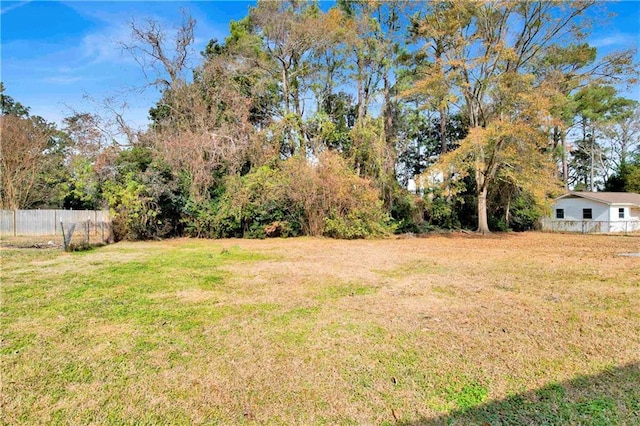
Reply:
x=609, y=398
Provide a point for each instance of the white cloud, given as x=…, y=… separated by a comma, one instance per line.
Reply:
x=105, y=45
x=14, y=6
x=63, y=79
x=619, y=40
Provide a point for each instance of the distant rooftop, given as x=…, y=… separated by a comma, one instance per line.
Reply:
x=607, y=197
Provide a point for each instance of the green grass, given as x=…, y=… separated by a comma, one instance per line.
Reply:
x=235, y=332
x=349, y=289
x=471, y=394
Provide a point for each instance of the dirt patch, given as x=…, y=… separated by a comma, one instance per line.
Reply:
x=195, y=295
x=37, y=242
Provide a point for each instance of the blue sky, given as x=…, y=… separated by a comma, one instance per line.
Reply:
x=55, y=53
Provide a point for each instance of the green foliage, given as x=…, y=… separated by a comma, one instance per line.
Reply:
x=408, y=212
x=514, y=209
x=441, y=213
x=9, y=106
x=357, y=223
x=291, y=198
x=626, y=180
x=470, y=395
x=132, y=212
x=257, y=205
x=498, y=223
x=598, y=103
x=81, y=189
x=525, y=213
x=447, y=204
x=146, y=199
x=198, y=219
x=368, y=148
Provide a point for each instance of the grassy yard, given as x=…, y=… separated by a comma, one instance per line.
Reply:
x=509, y=329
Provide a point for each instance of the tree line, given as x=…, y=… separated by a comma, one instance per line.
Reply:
x=312, y=121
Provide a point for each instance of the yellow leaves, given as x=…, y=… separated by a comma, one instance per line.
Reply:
x=331, y=28
x=512, y=149
x=506, y=53
x=432, y=85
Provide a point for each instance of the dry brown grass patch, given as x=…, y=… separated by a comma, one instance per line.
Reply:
x=314, y=331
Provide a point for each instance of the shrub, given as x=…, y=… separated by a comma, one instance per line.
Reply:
x=297, y=197
x=337, y=202
x=356, y=224
x=408, y=211
x=256, y=205
x=144, y=205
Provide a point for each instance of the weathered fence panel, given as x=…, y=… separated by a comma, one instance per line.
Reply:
x=7, y=222
x=591, y=226
x=45, y=222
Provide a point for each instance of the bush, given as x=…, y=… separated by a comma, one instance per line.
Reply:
x=408, y=211
x=356, y=224
x=144, y=205
x=256, y=205
x=295, y=197
x=199, y=218
x=337, y=202
x=525, y=213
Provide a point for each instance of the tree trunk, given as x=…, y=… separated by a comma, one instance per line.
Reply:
x=390, y=156
x=591, y=174
x=507, y=211
x=482, y=189
x=361, y=107
x=483, y=224
x=287, y=106
x=439, y=50
x=285, y=90
x=565, y=164
x=387, y=110
x=443, y=130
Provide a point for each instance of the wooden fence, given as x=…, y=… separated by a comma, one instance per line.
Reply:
x=591, y=226
x=45, y=222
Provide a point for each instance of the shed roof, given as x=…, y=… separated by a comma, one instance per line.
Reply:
x=607, y=197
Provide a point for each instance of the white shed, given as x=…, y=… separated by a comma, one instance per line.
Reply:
x=595, y=212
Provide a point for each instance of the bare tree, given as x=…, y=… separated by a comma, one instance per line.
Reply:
x=151, y=48
x=623, y=137
x=22, y=159
x=208, y=125
x=84, y=130
x=108, y=124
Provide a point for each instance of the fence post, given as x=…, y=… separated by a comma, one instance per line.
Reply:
x=14, y=224
x=64, y=238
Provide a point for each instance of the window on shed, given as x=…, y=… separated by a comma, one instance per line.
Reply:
x=587, y=214
x=621, y=213
x=559, y=213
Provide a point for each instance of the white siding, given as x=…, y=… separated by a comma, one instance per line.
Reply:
x=604, y=218
x=573, y=209
x=630, y=222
